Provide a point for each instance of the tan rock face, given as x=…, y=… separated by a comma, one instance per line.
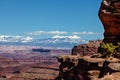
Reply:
x=109, y=15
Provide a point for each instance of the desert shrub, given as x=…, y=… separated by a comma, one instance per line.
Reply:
x=110, y=50
x=117, y=50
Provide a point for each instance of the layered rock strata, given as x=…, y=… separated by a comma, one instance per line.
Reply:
x=37, y=72
x=75, y=67
x=8, y=67
x=109, y=15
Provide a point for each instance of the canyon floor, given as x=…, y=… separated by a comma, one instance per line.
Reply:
x=29, y=62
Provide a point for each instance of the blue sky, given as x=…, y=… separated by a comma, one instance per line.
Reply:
x=47, y=18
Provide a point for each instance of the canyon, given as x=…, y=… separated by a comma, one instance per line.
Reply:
x=29, y=62
x=83, y=62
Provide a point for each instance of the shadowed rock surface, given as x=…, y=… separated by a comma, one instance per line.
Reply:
x=74, y=67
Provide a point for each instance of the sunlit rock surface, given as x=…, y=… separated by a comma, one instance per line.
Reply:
x=109, y=15
x=74, y=67
x=87, y=49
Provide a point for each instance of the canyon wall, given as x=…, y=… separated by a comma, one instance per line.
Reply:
x=87, y=49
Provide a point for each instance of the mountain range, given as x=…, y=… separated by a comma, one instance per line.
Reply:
x=53, y=42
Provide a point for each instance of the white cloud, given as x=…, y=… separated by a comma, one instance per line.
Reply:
x=27, y=39
x=6, y=38
x=84, y=33
x=71, y=37
x=47, y=32
x=57, y=32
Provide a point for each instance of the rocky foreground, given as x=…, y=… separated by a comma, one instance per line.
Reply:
x=74, y=67
x=84, y=64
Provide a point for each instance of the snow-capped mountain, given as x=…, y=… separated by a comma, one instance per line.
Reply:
x=15, y=39
x=54, y=42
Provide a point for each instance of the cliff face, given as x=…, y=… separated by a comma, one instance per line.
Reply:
x=87, y=49
x=109, y=15
x=75, y=67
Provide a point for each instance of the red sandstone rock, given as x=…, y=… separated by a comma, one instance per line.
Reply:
x=87, y=49
x=8, y=67
x=88, y=68
x=37, y=72
x=109, y=14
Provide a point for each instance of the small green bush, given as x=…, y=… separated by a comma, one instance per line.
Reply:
x=110, y=50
